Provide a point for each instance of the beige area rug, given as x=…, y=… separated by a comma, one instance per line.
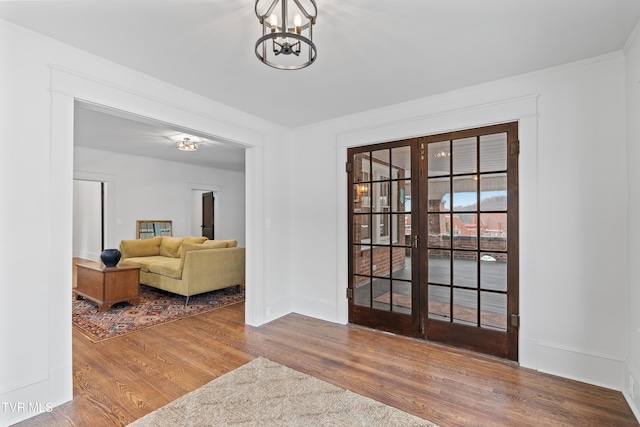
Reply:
x=265, y=393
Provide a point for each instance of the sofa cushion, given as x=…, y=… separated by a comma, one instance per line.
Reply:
x=186, y=247
x=145, y=261
x=170, y=246
x=228, y=243
x=231, y=243
x=141, y=247
x=217, y=243
x=191, y=239
x=170, y=267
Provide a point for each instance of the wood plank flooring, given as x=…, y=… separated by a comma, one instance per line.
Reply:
x=119, y=380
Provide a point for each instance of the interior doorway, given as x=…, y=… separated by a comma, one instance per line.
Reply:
x=88, y=218
x=208, y=215
x=198, y=205
x=433, y=238
x=67, y=88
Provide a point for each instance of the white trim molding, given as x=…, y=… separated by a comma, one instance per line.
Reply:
x=67, y=86
x=631, y=374
x=604, y=370
x=456, y=116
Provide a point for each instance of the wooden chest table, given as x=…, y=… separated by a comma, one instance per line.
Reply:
x=108, y=285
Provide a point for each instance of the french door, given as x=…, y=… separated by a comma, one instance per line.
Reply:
x=434, y=238
x=383, y=259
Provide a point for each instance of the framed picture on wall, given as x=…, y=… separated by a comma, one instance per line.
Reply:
x=146, y=229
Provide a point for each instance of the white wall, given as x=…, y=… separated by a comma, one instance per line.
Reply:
x=40, y=79
x=572, y=202
x=147, y=188
x=29, y=371
x=633, y=225
x=87, y=219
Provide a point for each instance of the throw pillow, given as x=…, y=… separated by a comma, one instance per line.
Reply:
x=191, y=239
x=169, y=246
x=215, y=243
x=231, y=243
x=228, y=243
x=144, y=247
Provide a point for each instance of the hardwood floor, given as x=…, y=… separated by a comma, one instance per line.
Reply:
x=119, y=380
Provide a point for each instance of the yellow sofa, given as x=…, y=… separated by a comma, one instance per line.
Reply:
x=186, y=266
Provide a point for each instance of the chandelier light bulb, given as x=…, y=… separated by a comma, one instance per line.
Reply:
x=297, y=23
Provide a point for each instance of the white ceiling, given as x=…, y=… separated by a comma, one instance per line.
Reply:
x=106, y=129
x=371, y=53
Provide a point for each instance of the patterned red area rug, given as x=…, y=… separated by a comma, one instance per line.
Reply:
x=155, y=307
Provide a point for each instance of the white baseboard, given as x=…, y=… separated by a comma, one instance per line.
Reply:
x=604, y=370
x=319, y=309
x=41, y=396
x=275, y=309
x=634, y=401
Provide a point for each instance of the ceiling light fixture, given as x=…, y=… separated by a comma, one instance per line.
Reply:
x=186, y=145
x=287, y=33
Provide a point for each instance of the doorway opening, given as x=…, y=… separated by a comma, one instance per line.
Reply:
x=208, y=216
x=89, y=218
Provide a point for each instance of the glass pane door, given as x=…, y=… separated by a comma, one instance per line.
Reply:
x=471, y=204
x=433, y=238
x=381, y=267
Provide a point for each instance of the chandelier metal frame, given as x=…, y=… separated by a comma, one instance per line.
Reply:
x=285, y=34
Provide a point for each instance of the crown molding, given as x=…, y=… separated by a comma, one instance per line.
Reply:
x=632, y=39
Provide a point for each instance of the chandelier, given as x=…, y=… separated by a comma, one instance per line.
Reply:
x=186, y=145
x=287, y=33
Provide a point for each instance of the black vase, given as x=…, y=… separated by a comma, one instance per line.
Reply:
x=110, y=257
